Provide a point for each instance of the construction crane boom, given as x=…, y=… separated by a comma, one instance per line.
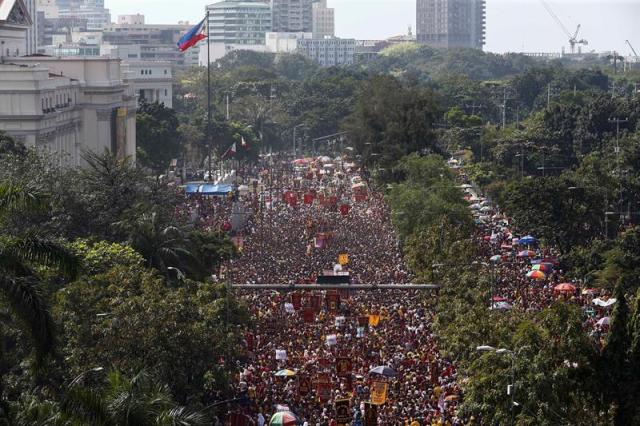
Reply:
x=632, y=49
x=573, y=39
x=555, y=17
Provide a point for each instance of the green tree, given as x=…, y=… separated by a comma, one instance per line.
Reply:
x=391, y=121
x=157, y=135
x=20, y=283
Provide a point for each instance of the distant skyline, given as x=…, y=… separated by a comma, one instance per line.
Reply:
x=512, y=25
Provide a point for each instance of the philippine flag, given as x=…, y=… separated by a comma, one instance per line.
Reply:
x=193, y=36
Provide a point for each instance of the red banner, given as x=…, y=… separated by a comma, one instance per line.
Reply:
x=296, y=301
x=316, y=303
x=304, y=385
x=344, y=366
x=238, y=419
x=370, y=414
x=324, y=392
x=333, y=301
x=344, y=209
x=308, y=198
x=308, y=315
x=249, y=339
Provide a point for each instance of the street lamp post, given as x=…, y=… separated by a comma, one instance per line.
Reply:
x=511, y=389
x=295, y=128
x=606, y=223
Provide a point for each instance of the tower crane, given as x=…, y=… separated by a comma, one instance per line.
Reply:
x=573, y=39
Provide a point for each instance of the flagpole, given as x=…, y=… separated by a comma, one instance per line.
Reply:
x=209, y=94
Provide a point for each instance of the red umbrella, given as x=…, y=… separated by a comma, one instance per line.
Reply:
x=565, y=288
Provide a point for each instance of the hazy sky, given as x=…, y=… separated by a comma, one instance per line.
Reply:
x=512, y=25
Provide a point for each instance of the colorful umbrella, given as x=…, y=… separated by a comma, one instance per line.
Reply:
x=383, y=370
x=603, y=321
x=497, y=258
x=526, y=253
x=536, y=275
x=501, y=306
x=528, y=240
x=285, y=373
x=544, y=267
x=565, y=288
x=284, y=418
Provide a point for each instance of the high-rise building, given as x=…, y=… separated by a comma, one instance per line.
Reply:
x=292, y=16
x=92, y=10
x=451, y=23
x=328, y=52
x=131, y=19
x=32, y=32
x=323, y=20
x=239, y=22
x=48, y=7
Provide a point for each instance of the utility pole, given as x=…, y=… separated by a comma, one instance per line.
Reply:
x=618, y=171
x=210, y=142
x=227, y=107
x=548, y=95
x=504, y=108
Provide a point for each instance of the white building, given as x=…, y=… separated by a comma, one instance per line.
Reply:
x=131, y=19
x=328, y=52
x=285, y=42
x=323, y=20
x=219, y=50
x=235, y=25
x=292, y=16
x=49, y=8
x=14, y=23
x=150, y=81
x=66, y=106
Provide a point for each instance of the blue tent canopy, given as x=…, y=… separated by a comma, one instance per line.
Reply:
x=208, y=189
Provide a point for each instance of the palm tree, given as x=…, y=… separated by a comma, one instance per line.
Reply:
x=163, y=246
x=139, y=401
x=19, y=282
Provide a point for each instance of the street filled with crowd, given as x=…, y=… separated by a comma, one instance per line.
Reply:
x=309, y=351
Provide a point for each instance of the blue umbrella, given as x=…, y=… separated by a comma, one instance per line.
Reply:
x=528, y=240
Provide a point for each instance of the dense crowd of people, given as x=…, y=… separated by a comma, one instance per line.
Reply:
x=512, y=262
x=307, y=214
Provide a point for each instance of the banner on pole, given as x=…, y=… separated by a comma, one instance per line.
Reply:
x=379, y=392
x=343, y=416
x=370, y=414
x=374, y=320
x=333, y=301
x=308, y=315
x=343, y=259
x=304, y=385
x=344, y=366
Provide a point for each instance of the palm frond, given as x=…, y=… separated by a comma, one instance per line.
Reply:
x=27, y=303
x=14, y=197
x=182, y=416
x=49, y=253
x=11, y=262
x=86, y=406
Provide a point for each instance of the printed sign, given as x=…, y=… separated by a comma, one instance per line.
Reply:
x=379, y=392
x=343, y=416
